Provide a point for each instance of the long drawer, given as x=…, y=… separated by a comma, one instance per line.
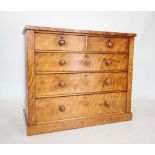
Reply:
x=53, y=109
x=64, y=84
x=48, y=62
x=44, y=41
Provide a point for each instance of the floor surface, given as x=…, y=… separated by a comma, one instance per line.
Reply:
x=140, y=130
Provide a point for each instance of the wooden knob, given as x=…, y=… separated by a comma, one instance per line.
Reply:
x=108, y=62
x=107, y=104
x=109, y=43
x=86, y=56
x=107, y=82
x=62, y=108
x=61, y=84
x=62, y=62
x=61, y=41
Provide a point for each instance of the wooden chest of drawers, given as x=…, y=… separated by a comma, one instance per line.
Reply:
x=77, y=78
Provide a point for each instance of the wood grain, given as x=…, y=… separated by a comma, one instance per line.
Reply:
x=48, y=85
x=79, y=106
x=77, y=78
x=51, y=42
x=48, y=62
x=30, y=110
x=100, y=44
x=78, y=123
x=130, y=73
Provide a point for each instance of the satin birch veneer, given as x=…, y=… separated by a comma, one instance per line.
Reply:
x=76, y=78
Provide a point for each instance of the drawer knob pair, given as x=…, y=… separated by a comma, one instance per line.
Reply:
x=109, y=43
x=62, y=108
x=61, y=41
x=62, y=62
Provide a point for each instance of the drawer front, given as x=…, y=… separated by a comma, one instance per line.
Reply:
x=108, y=44
x=52, y=109
x=61, y=84
x=47, y=62
x=59, y=42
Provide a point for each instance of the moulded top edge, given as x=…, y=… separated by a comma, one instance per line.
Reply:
x=52, y=29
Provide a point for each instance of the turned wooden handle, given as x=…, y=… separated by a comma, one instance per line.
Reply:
x=109, y=43
x=61, y=41
x=62, y=62
x=107, y=82
x=108, y=62
x=61, y=84
x=107, y=104
x=62, y=108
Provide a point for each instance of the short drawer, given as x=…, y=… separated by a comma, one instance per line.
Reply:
x=53, y=109
x=48, y=62
x=107, y=44
x=45, y=41
x=64, y=84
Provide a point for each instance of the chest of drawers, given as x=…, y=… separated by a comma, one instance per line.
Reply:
x=76, y=78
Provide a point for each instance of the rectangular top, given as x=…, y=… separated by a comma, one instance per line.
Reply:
x=40, y=28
